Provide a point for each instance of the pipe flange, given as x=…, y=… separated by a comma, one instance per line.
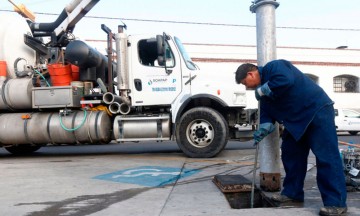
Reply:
x=259, y=3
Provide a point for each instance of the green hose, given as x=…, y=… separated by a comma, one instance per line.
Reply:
x=73, y=129
x=42, y=77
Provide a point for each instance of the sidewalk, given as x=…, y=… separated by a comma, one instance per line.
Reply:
x=154, y=184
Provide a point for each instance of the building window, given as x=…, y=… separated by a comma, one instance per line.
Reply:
x=346, y=83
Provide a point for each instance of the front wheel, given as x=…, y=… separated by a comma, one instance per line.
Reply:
x=202, y=132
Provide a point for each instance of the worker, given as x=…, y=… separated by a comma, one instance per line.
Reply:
x=289, y=97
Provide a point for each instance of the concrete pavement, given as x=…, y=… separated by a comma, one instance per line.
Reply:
x=159, y=184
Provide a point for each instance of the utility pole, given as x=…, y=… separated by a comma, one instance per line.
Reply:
x=270, y=179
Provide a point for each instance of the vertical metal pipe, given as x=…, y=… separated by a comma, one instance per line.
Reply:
x=266, y=51
x=110, y=62
x=122, y=66
x=118, y=60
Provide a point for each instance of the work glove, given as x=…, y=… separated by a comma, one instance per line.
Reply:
x=264, y=130
x=263, y=90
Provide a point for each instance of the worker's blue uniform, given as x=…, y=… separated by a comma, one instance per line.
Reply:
x=308, y=116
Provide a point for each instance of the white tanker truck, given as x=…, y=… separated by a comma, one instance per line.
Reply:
x=65, y=92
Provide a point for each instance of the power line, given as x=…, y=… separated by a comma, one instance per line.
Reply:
x=202, y=23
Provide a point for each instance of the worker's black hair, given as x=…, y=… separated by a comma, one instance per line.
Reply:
x=242, y=71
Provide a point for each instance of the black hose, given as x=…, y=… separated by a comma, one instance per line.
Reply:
x=19, y=73
x=48, y=27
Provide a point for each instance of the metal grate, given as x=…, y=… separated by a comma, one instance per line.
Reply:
x=345, y=84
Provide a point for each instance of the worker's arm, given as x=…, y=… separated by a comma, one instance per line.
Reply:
x=263, y=90
x=266, y=125
x=279, y=78
x=264, y=130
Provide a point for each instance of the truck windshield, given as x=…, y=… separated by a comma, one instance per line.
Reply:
x=191, y=65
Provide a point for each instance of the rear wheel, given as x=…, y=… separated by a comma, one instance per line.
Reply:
x=202, y=133
x=22, y=149
x=353, y=132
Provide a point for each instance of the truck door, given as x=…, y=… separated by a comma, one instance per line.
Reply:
x=152, y=83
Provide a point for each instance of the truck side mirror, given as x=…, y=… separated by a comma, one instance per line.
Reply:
x=160, y=45
x=160, y=50
x=161, y=60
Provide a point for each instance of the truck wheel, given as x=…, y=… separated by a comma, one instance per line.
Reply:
x=353, y=132
x=202, y=133
x=22, y=149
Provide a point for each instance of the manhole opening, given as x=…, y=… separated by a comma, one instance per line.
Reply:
x=242, y=200
x=237, y=190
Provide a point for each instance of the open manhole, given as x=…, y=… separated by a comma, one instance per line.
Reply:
x=241, y=200
x=237, y=191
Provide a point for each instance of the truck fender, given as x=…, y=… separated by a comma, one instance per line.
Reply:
x=182, y=108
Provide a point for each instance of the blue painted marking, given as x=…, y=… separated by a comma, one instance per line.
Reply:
x=152, y=176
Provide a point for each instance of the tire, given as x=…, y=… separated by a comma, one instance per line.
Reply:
x=22, y=149
x=353, y=132
x=202, y=133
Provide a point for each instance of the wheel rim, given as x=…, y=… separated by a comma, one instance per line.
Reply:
x=200, y=133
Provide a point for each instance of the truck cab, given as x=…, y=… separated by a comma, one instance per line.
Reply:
x=204, y=108
x=150, y=83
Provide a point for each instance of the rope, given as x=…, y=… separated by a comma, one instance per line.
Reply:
x=349, y=144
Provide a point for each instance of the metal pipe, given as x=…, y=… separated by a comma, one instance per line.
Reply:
x=121, y=59
x=47, y=28
x=45, y=127
x=122, y=66
x=110, y=61
x=110, y=98
x=72, y=5
x=114, y=108
x=266, y=51
x=124, y=108
x=15, y=94
x=77, y=10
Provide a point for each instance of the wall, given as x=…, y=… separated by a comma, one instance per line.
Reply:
x=322, y=63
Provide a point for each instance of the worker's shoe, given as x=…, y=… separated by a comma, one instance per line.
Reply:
x=332, y=211
x=282, y=199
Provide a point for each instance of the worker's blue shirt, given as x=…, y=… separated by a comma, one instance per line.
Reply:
x=296, y=98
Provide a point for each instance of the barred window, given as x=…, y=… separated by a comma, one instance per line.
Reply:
x=346, y=83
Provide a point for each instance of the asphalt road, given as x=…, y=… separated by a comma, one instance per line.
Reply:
x=142, y=147
x=120, y=148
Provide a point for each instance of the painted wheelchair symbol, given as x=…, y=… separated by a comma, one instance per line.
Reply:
x=141, y=172
x=152, y=176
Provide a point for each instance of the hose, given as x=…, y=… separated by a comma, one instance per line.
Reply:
x=48, y=28
x=255, y=163
x=73, y=129
x=349, y=144
x=47, y=83
x=20, y=73
x=254, y=176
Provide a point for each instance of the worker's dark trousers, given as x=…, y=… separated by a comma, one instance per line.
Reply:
x=321, y=138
